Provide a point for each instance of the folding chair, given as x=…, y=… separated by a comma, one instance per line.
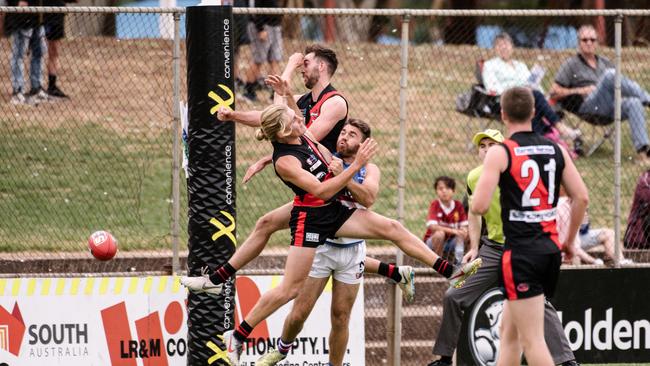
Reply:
x=601, y=127
x=478, y=103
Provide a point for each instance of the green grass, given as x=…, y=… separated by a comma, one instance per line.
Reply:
x=61, y=181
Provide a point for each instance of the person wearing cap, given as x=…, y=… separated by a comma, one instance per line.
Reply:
x=458, y=300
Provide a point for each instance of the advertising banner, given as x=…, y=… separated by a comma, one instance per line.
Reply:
x=121, y=321
x=211, y=172
x=604, y=312
x=142, y=321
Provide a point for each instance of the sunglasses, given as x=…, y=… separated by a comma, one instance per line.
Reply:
x=585, y=40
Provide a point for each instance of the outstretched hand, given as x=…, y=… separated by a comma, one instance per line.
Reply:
x=366, y=151
x=279, y=85
x=257, y=167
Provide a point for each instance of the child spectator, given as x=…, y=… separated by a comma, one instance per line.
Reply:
x=447, y=221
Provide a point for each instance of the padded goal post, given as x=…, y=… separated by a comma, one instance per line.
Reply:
x=211, y=181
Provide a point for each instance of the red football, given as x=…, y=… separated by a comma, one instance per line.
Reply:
x=102, y=245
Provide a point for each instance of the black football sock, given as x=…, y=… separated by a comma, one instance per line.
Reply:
x=242, y=331
x=390, y=270
x=443, y=267
x=222, y=274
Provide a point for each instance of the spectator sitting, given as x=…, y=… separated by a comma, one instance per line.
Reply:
x=587, y=237
x=585, y=86
x=447, y=221
x=502, y=72
x=26, y=31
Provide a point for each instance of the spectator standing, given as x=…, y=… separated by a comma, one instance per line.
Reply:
x=585, y=86
x=265, y=35
x=241, y=38
x=54, y=24
x=503, y=72
x=26, y=31
x=446, y=221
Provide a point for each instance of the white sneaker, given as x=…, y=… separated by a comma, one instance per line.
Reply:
x=625, y=262
x=200, y=284
x=457, y=280
x=233, y=347
x=407, y=284
x=271, y=358
x=37, y=97
x=18, y=98
x=598, y=262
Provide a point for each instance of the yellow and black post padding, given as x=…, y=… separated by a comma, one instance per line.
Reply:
x=211, y=171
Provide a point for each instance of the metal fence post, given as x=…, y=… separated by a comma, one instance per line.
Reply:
x=176, y=156
x=395, y=311
x=617, y=140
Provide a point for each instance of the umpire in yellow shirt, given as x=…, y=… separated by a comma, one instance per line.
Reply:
x=457, y=300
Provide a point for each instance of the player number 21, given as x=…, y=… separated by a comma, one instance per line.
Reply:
x=530, y=168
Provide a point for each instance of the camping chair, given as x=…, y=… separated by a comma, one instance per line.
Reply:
x=602, y=128
x=478, y=103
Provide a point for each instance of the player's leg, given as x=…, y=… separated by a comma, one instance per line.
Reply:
x=527, y=278
x=404, y=276
x=366, y=224
x=556, y=339
x=343, y=297
x=348, y=276
x=370, y=225
x=528, y=317
x=296, y=270
x=299, y=261
x=265, y=226
x=271, y=222
x=302, y=307
x=457, y=300
x=323, y=265
x=509, y=347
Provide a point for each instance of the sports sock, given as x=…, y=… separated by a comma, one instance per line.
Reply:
x=389, y=270
x=284, y=348
x=242, y=331
x=222, y=274
x=443, y=267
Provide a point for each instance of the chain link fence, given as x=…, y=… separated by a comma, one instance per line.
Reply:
x=102, y=158
x=97, y=159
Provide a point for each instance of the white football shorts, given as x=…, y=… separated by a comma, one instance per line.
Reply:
x=344, y=263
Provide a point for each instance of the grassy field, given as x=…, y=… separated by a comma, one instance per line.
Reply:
x=103, y=161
